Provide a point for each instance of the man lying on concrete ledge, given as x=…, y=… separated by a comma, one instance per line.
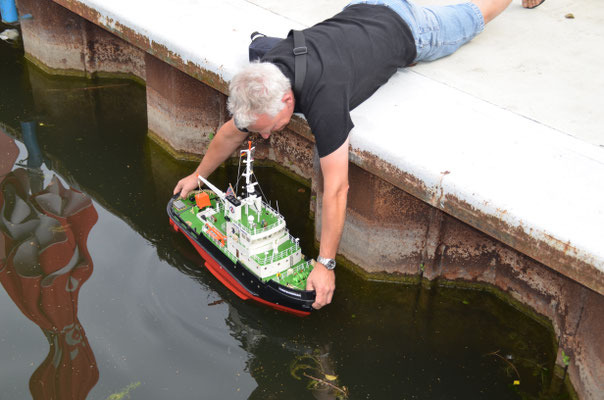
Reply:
x=349, y=57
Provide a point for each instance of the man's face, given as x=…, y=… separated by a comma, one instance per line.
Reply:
x=265, y=125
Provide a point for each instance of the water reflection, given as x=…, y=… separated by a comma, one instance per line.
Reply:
x=44, y=261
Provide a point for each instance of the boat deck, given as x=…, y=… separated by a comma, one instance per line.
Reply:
x=294, y=277
x=266, y=221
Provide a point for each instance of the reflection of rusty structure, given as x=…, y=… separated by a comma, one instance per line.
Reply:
x=43, y=263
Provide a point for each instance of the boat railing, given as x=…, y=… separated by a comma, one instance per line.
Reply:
x=271, y=209
x=297, y=269
x=259, y=230
x=268, y=259
x=254, y=231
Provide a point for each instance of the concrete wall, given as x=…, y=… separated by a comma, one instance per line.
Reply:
x=389, y=234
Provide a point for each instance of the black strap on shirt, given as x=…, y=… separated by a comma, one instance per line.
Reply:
x=300, y=52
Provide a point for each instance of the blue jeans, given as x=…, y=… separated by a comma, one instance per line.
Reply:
x=438, y=30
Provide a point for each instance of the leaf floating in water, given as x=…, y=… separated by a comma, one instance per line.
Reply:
x=569, y=16
x=516, y=383
x=466, y=302
x=124, y=393
x=331, y=377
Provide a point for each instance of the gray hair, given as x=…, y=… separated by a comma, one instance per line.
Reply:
x=257, y=89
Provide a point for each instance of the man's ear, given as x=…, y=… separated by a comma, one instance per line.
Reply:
x=289, y=99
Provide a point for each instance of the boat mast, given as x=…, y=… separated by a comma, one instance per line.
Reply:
x=249, y=185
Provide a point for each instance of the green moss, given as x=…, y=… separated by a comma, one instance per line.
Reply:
x=71, y=72
x=165, y=146
x=563, y=378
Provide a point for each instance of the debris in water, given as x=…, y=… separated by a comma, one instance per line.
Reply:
x=124, y=393
x=569, y=16
x=9, y=35
x=508, y=357
x=319, y=378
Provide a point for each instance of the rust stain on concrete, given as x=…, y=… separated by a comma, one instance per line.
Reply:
x=144, y=43
x=560, y=256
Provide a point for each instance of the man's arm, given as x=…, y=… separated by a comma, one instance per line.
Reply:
x=335, y=192
x=227, y=140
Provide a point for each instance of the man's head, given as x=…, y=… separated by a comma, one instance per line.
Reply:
x=261, y=99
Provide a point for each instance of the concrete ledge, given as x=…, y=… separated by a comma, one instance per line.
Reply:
x=529, y=186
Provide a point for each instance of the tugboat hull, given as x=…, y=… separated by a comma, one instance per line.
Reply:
x=241, y=281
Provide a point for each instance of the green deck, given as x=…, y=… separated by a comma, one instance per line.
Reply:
x=300, y=271
x=267, y=218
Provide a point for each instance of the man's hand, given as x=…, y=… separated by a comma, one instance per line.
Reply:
x=323, y=282
x=186, y=185
x=227, y=140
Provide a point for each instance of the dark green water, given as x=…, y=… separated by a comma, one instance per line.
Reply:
x=137, y=317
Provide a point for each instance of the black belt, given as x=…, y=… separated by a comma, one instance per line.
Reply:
x=300, y=51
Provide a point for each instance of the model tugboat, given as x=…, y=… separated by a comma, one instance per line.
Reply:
x=245, y=243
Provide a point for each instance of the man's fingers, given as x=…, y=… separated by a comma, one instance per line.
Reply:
x=311, y=286
x=184, y=192
x=329, y=296
x=323, y=283
x=185, y=186
x=178, y=188
x=323, y=298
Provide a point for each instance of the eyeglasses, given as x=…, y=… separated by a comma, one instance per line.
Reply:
x=244, y=130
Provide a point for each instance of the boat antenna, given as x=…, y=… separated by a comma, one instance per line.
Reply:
x=251, y=170
x=259, y=187
x=238, y=173
x=277, y=206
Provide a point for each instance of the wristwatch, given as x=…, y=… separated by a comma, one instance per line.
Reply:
x=329, y=263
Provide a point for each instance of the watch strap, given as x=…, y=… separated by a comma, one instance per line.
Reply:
x=329, y=263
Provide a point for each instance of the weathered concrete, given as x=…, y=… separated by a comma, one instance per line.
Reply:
x=399, y=222
x=60, y=41
x=585, y=347
x=181, y=110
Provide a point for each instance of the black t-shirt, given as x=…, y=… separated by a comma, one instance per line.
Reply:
x=349, y=57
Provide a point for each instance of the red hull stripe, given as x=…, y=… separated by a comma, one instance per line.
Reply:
x=227, y=280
